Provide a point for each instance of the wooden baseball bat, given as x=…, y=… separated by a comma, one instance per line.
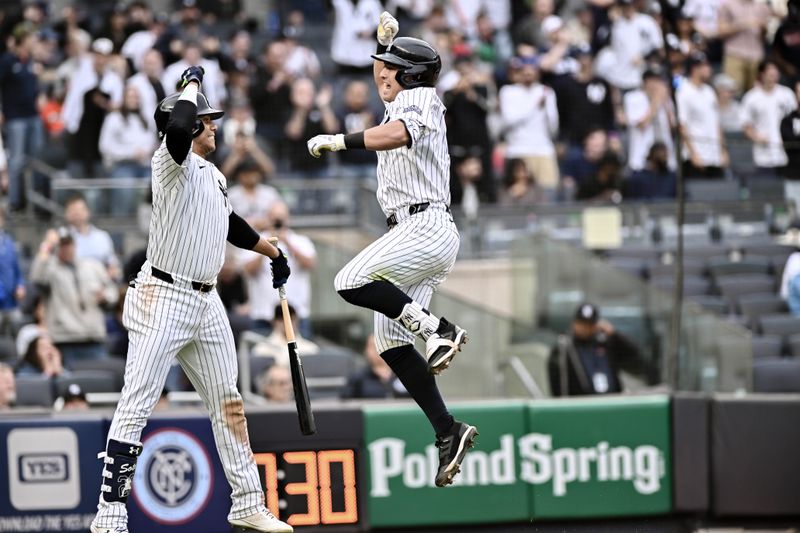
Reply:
x=301, y=398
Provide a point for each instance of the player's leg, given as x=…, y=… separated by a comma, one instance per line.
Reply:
x=396, y=346
x=211, y=365
x=422, y=248
x=159, y=322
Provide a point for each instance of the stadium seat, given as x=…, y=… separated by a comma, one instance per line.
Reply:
x=116, y=365
x=776, y=375
x=714, y=304
x=794, y=345
x=8, y=350
x=692, y=285
x=782, y=324
x=754, y=306
x=712, y=190
x=34, y=390
x=89, y=381
x=257, y=366
x=732, y=288
x=721, y=266
x=692, y=266
x=326, y=373
x=767, y=346
x=634, y=267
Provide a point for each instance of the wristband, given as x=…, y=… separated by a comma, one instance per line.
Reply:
x=354, y=141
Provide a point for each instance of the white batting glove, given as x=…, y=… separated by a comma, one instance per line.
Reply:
x=387, y=28
x=325, y=143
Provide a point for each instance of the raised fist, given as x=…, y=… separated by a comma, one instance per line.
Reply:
x=192, y=74
x=387, y=28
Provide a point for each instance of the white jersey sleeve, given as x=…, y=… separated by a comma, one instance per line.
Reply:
x=167, y=173
x=418, y=110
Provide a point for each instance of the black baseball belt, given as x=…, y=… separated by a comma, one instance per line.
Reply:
x=412, y=210
x=166, y=276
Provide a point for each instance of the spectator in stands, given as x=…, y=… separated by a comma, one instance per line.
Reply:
x=250, y=198
x=689, y=39
x=556, y=62
x=376, y=380
x=19, y=86
x=231, y=288
x=742, y=24
x=274, y=345
x=127, y=142
x=786, y=44
x=790, y=134
x=530, y=121
x=242, y=144
x=236, y=57
x=8, y=387
x=730, y=111
x=213, y=81
x=301, y=60
x=90, y=241
x=41, y=356
x=585, y=101
x=94, y=89
x=579, y=169
x=589, y=359
x=270, y=95
x=605, y=184
x=35, y=329
x=529, y=29
x=12, y=282
x=704, y=151
x=74, y=399
x=275, y=383
x=302, y=257
x=651, y=118
x=492, y=44
x=469, y=96
x=634, y=37
x=139, y=43
x=705, y=17
x=147, y=83
x=76, y=291
x=520, y=186
x=468, y=173
x=790, y=279
x=311, y=114
x=354, y=34
x=763, y=109
x=115, y=27
x=656, y=180
x=355, y=115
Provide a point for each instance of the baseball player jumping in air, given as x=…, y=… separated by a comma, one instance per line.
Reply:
x=397, y=274
x=173, y=310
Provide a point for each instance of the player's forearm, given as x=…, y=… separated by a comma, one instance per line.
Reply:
x=181, y=123
x=385, y=137
x=266, y=248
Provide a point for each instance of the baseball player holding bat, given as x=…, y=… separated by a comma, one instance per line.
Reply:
x=172, y=310
x=397, y=274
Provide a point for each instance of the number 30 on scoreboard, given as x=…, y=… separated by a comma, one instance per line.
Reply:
x=308, y=488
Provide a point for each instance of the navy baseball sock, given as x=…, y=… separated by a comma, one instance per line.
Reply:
x=412, y=370
x=381, y=296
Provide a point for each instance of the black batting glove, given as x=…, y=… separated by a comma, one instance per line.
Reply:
x=280, y=270
x=192, y=74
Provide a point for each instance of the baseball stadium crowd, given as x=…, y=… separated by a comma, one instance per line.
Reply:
x=547, y=101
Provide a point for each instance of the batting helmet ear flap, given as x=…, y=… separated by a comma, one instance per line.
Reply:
x=198, y=128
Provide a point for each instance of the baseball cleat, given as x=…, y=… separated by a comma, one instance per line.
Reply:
x=442, y=345
x=117, y=529
x=263, y=522
x=452, y=448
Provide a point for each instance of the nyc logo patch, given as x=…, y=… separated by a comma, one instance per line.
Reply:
x=413, y=109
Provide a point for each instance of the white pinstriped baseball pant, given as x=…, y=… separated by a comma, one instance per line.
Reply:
x=165, y=321
x=416, y=255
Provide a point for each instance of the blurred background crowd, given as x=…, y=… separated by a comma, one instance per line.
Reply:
x=548, y=101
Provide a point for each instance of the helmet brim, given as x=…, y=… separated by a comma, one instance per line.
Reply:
x=213, y=113
x=388, y=57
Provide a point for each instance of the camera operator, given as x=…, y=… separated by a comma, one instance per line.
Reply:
x=588, y=361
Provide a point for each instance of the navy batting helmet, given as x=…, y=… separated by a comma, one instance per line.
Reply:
x=164, y=108
x=418, y=64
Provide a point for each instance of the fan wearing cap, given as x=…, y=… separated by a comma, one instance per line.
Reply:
x=650, y=116
x=74, y=399
x=589, y=359
x=704, y=151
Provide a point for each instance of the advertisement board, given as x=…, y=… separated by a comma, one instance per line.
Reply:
x=49, y=473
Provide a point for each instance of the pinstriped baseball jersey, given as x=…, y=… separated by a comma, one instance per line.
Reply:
x=420, y=173
x=189, y=225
